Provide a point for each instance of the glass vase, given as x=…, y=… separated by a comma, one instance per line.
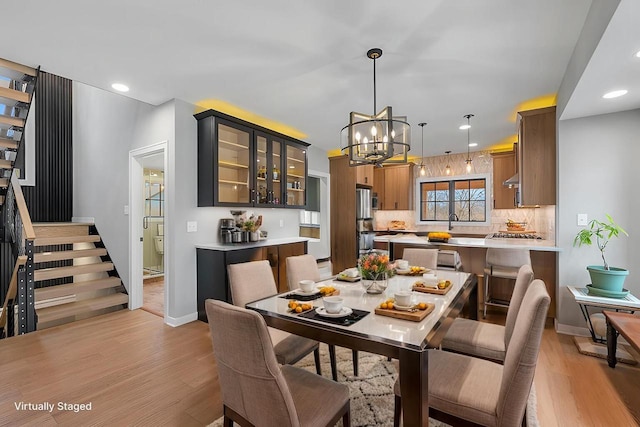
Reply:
x=375, y=286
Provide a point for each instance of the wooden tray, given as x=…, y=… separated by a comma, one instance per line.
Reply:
x=414, y=316
x=410, y=273
x=432, y=290
x=348, y=279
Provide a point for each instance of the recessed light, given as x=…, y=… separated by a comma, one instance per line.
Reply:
x=120, y=87
x=615, y=93
x=464, y=127
x=637, y=55
x=473, y=144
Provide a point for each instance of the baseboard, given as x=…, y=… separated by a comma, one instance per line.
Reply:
x=83, y=219
x=179, y=321
x=571, y=330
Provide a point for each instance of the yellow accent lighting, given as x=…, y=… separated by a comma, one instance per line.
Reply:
x=505, y=144
x=235, y=111
x=543, y=101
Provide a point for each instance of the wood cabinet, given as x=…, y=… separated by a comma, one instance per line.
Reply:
x=243, y=164
x=343, y=214
x=537, y=157
x=504, y=167
x=395, y=187
x=365, y=175
x=212, y=278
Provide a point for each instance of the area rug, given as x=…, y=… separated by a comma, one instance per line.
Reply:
x=585, y=345
x=371, y=392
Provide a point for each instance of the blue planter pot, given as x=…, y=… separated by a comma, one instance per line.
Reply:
x=610, y=280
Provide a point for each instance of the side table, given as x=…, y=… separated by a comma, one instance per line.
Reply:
x=624, y=324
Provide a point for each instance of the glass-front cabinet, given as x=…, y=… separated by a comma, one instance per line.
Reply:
x=242, y=164
x=296, y=167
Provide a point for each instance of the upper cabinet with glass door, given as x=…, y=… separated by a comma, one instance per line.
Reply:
x=242, y=164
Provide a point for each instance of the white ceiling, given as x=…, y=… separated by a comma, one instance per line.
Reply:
x=303, y=62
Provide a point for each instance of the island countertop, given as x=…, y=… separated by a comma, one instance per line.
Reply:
x=247, y=245
x=474, y=242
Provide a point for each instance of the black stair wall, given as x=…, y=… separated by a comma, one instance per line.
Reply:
x=51, y=200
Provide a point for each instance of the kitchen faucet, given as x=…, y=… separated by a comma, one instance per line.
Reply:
x=454, y=217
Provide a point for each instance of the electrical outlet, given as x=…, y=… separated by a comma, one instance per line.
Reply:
x=126, y=209
x=192, y=226
x=281, y=223
x=582, y=219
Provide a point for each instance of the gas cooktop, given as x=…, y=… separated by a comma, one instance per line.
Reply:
x=502, y=235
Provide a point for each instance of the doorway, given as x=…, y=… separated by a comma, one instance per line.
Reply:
x=149, y=229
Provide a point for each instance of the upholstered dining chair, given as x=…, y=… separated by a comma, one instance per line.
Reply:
x=421, y=257
x=251, y=281
x=504, y=263
x=305, y=267
x=480, y=392
x=256, y=390
x=487, y=340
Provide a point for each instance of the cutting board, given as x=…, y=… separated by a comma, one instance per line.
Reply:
x=414, y=316
x=432, y=290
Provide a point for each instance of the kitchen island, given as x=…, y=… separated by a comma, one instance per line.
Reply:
x=473, y=251
x=212, y=260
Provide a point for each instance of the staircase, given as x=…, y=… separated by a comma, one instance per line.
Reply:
x=75, y=278
x=17, y=83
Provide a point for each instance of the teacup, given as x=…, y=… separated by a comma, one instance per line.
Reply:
x=307, y=285
x=333, y=305
x=403, y=298
x=402, y=264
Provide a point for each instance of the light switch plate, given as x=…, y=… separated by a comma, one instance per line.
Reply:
x=582, y=219
x=126, y=209
x=192, y=226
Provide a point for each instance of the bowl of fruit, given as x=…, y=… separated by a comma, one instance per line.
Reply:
x=439, y=236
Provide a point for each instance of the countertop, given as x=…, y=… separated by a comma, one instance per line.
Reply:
x=473, y=242
x=247, y=245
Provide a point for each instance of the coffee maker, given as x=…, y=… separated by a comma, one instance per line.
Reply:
x=227, y=227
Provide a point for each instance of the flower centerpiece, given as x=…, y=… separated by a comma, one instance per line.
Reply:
x=375, y=270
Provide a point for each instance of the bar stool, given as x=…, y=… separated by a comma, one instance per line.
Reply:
x=503, y=263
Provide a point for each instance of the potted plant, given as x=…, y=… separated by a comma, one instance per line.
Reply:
x=603, y=276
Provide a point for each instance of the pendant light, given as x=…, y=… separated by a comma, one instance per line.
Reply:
x=468, y=127
x=447, y=170
x=378, y=138
x=423, y=169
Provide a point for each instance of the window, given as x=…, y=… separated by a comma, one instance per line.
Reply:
x=466, y=198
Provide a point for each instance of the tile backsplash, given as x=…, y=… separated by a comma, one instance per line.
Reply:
x=541, y=220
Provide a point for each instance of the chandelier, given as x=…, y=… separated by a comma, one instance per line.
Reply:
x=378, y=138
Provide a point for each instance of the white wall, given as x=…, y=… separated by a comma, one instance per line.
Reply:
x=106, y=127
x=597, y=174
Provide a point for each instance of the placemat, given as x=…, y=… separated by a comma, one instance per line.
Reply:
x=345, y=321
x=299, y=297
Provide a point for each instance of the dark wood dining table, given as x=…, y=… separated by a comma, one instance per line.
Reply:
x=401, y=339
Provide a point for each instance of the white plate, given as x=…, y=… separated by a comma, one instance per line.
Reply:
x=402, y=271
x=344, y=312
x=403, y=307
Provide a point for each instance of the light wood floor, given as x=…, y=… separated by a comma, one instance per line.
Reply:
x=153, y=296
x=136, y=370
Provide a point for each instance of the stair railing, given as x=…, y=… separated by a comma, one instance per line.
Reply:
x=21, y=235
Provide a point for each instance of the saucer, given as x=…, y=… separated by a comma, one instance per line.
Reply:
x=605, y=293
x=403, y=307
x=301, y=292
x=344, y=312
x=402, y=270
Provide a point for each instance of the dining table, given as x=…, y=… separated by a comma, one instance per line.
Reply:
x=364, y=330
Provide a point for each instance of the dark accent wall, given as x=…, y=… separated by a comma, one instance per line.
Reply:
x=51, y=200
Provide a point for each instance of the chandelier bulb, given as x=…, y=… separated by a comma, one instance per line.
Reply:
x=365, y=140
x=358, y=136
x=374, y=131
x=423, y=170
x=447, y=170
x=468, y=165
x=385, y=139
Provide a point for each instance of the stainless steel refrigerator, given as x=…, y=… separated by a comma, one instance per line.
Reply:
x=364, y=221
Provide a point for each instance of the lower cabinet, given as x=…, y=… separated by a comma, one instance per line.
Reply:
x=212, y=278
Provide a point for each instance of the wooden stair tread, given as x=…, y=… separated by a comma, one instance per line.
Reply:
x=76, y=288
x=15, y=95
x=61, y=224
x=61, y=229
x=61, y=311
x=5, y=63
x=12, y=121
x=6, y=164
x=8, y=143
x=62, y=255
x=64, y=240
x=73, y=270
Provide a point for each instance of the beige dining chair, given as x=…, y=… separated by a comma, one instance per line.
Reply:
x=421, y=257
x=467, y=389
x=256, y=390
x=305, y=267
x=251, y=281
x=503, y=263
x=487, y=340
